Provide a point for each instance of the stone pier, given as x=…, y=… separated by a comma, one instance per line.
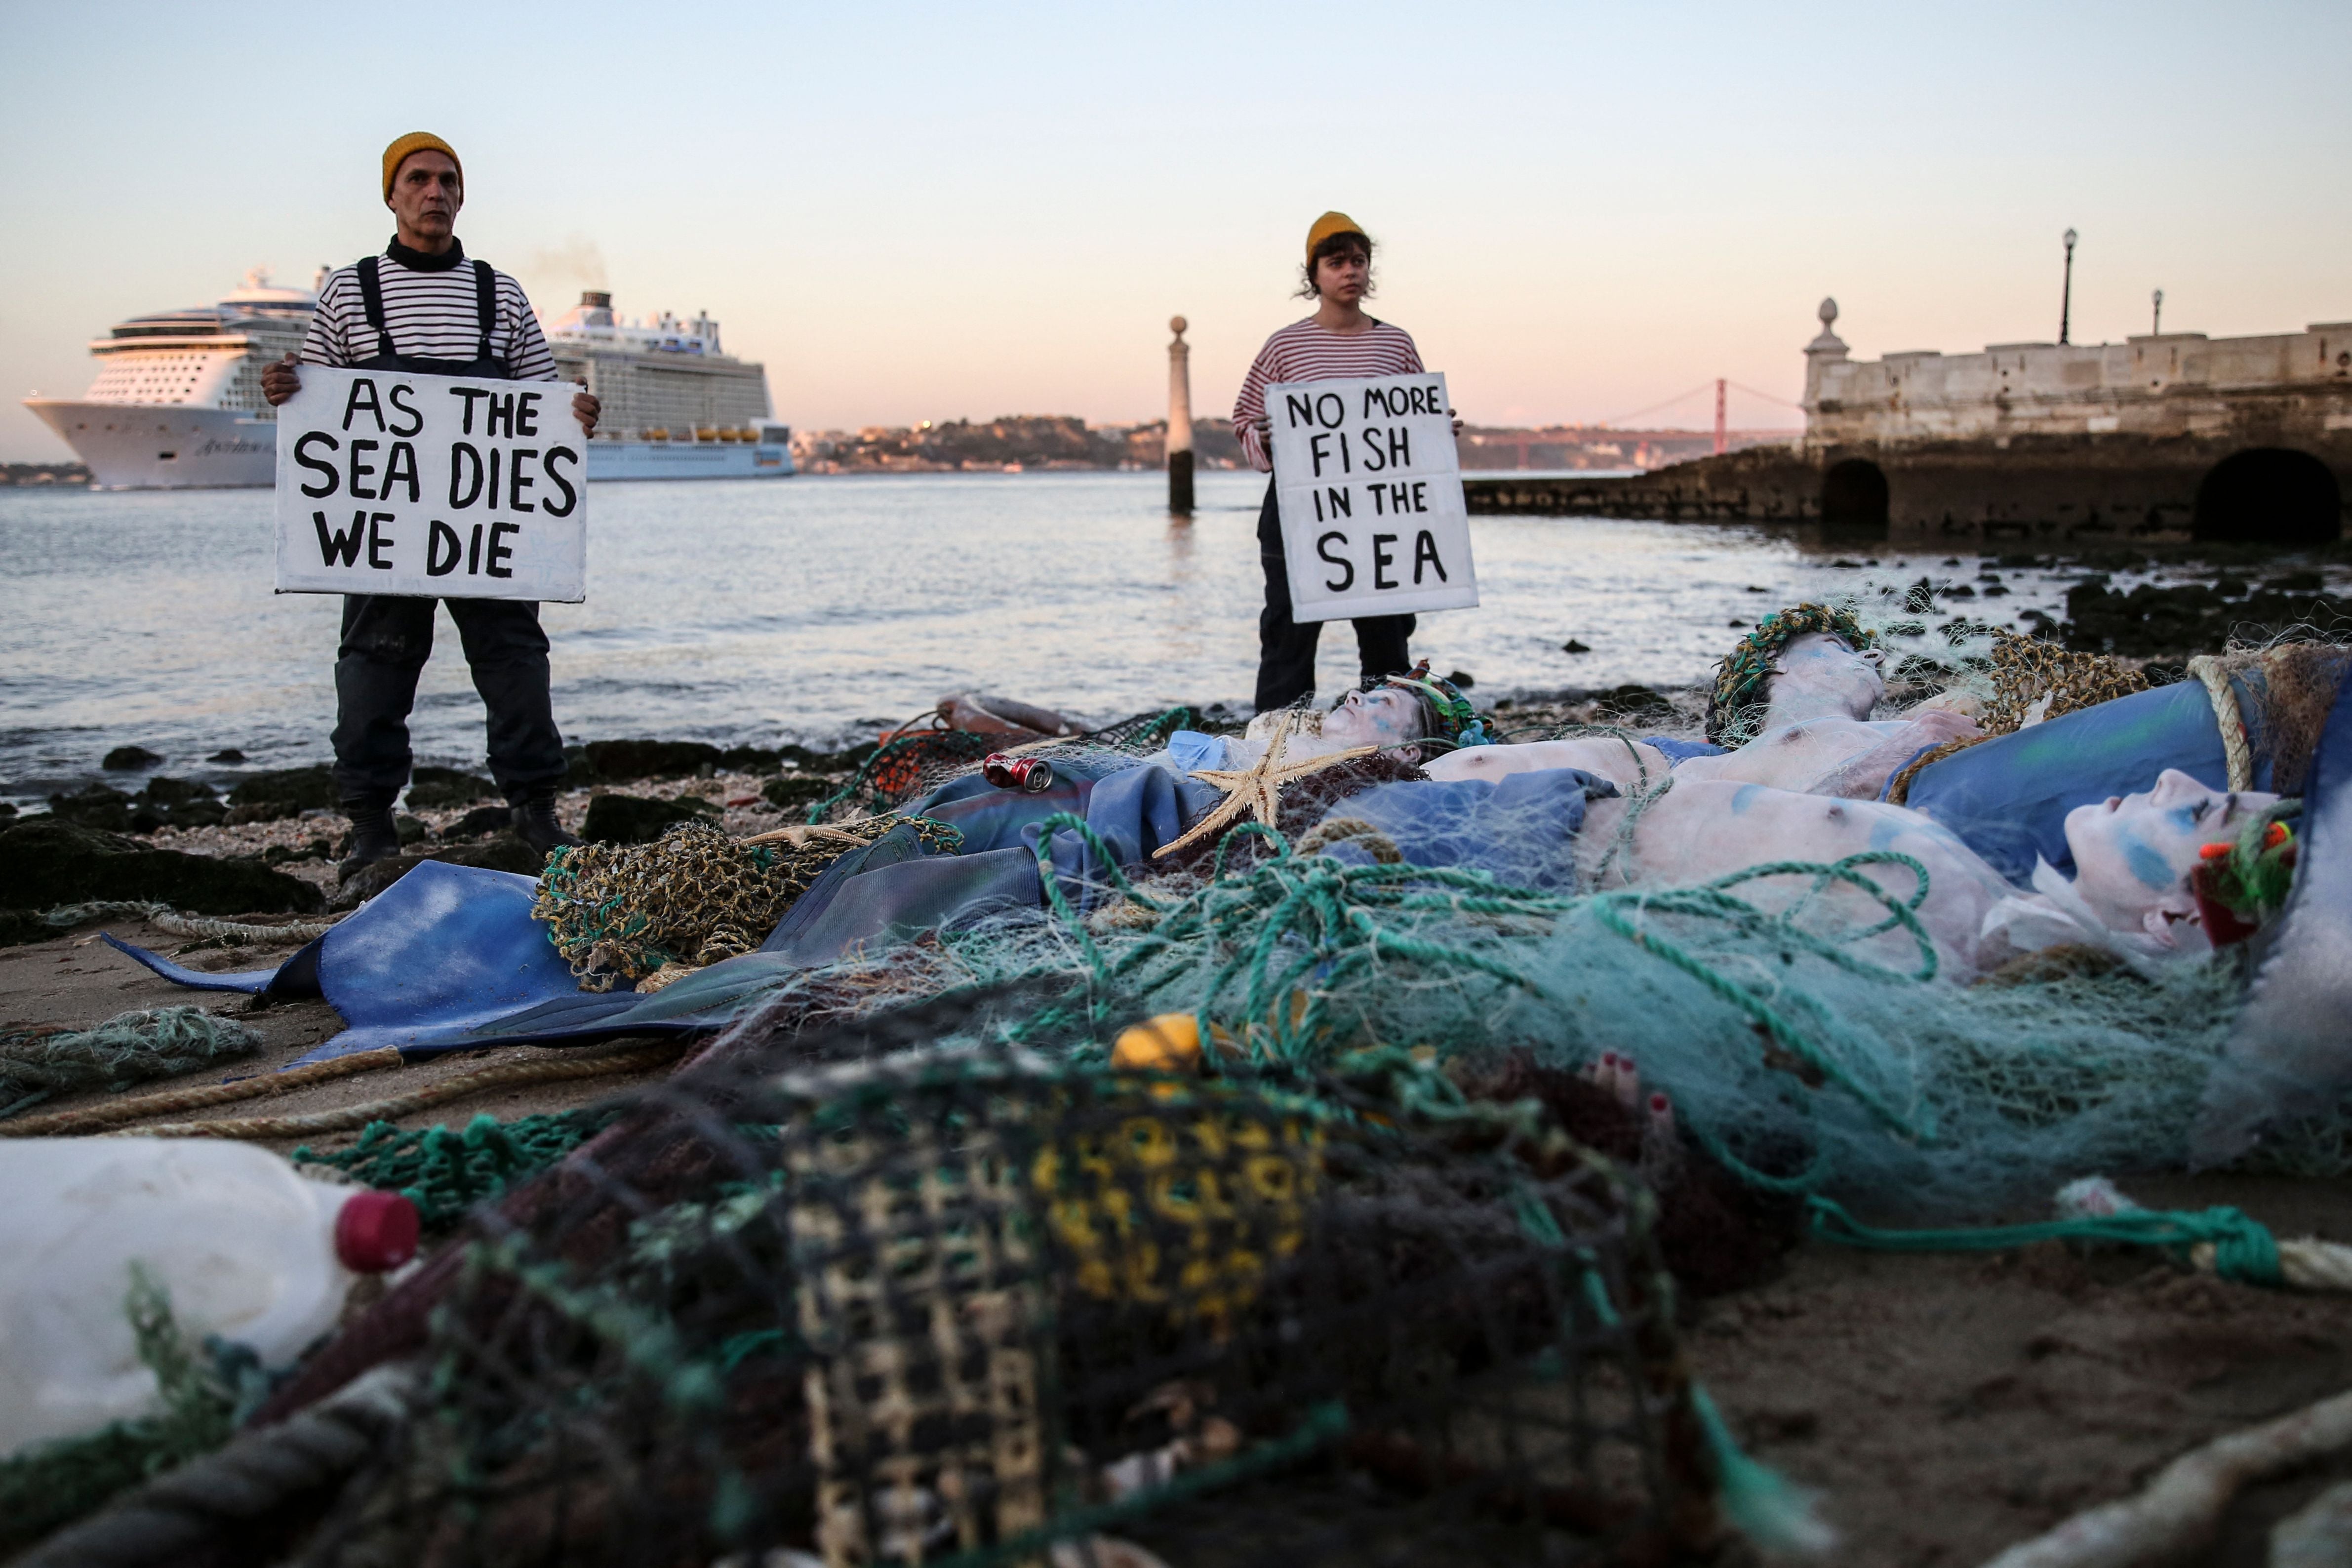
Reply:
x=2175, y=435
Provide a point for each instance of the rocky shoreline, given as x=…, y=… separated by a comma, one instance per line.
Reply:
x=270, y=843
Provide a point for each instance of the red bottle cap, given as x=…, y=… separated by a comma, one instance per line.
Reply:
x=375, y=1231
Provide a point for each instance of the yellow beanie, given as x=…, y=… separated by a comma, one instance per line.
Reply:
x=1324, y=229
x=416, y=141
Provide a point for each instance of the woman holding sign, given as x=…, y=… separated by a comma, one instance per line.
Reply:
x=1338, y=340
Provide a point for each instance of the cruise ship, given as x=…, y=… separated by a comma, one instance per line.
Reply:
x=177, y=403
x=676, y=406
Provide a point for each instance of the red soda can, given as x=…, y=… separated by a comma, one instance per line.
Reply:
x=1035, y=775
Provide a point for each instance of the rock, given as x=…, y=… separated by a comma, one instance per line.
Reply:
x=578, y=770
x=2152, y=621
x=412, y=829
x=1635, y=704
x=633, y=819
x=619, y=761
x=481, y=820
x=7, y=810
x=1462, y=679
x=826, y=762
x=50, y=861
x=749, y=760
x=437, y=789
x=94, y=805
x=503, y=853
x=18, y=927
x=226, y=754
x=171, y=792
x=123, y=759
x=795, y=791
x=176, y=803
x=1572, y=645
x=286, y=792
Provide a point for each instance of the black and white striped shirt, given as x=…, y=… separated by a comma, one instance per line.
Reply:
x=432, y=315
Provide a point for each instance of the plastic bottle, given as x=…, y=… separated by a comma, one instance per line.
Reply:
x=247, y=1248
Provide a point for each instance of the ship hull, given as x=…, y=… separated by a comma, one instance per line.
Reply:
x=131, y=446
x=685, y=460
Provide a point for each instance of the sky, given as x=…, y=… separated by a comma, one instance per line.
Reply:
x=934, y=212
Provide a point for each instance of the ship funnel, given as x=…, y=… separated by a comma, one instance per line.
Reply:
x=596, y=299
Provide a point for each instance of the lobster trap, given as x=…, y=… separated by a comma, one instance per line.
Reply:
x=971, y=1307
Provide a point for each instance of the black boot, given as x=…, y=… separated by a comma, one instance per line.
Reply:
x=373, y=837
x=535, y=824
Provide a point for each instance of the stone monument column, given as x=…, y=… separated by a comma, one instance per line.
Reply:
x=1824, y=350
x=1180, y=421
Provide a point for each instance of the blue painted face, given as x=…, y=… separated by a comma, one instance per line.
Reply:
x=1821, y=669
x=1383, y=716
x=2133, y=853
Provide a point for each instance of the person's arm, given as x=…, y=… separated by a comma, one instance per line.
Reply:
x=1412, y=353
x=528, y=356
x=1249, y=411
x=1864, y=775
x=323, y=343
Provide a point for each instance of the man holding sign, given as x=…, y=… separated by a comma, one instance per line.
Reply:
x=432, y=425
x=1364, y=518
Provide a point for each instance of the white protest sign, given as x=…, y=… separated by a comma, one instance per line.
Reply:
x=1371, y=490
x=438, y=485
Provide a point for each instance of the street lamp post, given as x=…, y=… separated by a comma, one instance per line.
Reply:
x=2156, y=327
x=2066, y=297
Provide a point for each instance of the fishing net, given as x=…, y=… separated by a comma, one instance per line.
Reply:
x=445, y=1171
x=1802, y=1041
x=692, y=897
x=36, y=1061
x=959, y=1305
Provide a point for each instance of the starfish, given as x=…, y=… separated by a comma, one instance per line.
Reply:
x=1258, y=788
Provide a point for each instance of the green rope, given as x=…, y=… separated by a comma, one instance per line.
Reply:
x=446, y=1173
x=2244, y=1249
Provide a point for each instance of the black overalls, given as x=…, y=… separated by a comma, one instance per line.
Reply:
x=1285, y=648
x=387, y=637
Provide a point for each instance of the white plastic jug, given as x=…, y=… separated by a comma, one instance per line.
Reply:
x=247, y=1248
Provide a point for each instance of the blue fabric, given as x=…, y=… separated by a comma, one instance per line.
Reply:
x=1521, y=828
x=1133, y=810
x=249, y=981
x=1680, y=752
x=1192, y=751
x=2008, y=798
x=445, y=947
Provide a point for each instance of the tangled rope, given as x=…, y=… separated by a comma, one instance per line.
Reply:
x=692, y=897
x=261, y=1086
x=350, y=1117
x=2237, y=754
x=159, y=1042
x=165, y=918
x=445, y=1171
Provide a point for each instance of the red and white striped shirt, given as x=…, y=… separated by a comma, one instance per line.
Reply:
x=1306, y=350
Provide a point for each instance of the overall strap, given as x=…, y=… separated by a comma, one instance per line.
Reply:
x=372, y=301
x=486, y=302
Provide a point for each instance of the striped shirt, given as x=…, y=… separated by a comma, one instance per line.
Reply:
x=1304, y=350
x=432, y=315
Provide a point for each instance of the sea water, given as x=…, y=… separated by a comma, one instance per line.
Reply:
x=817, y=609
